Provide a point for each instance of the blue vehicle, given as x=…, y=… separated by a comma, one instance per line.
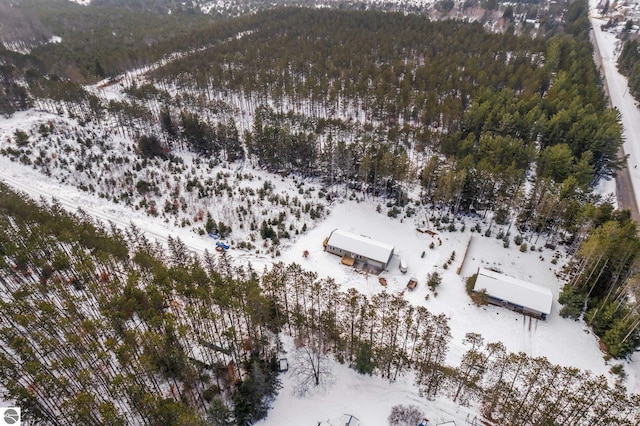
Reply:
x=222, y=245
x=214, y=235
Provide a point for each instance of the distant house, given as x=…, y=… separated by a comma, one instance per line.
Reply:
x=515, y=294
x=357, y=248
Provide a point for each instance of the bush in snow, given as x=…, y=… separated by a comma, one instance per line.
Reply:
x=434, y=280
x=405, y=415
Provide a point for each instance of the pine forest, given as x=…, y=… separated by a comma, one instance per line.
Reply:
x=493, y=117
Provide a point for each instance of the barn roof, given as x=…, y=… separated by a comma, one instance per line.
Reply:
x=515, y=291
x=361, y=245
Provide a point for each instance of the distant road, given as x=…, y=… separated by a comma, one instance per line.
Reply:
x=625, y=194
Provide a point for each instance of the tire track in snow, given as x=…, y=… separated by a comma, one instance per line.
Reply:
x=38, y=186
x=52, y=190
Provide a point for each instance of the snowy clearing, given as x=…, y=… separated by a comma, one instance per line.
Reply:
x=370, y=399
x=562, y=341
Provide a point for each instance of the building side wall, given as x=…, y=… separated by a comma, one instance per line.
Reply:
x=341, y=252
x=516, y=308
x=366, y=247
x=376, y=263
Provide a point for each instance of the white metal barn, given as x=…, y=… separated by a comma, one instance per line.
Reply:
x=352, y=247
x=519, y=295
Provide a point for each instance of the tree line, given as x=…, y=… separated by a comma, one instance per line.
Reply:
x=604, y=283
x=428, y=95
x=475, y=122
x=629, y=65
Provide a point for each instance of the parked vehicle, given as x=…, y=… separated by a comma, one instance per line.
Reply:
x=413, y=282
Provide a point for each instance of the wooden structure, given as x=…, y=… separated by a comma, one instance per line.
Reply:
x=413, y=282
x=427, y=231
x=344, y=420
x=464, y=256
x=347, y=260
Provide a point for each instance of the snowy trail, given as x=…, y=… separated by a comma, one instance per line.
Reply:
x=38, y=186
x=72, y=199
x=112, y=89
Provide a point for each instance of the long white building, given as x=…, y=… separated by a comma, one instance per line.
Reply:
x=353, y=247
x=519, y=295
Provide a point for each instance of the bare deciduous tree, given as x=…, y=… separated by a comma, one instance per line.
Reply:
x=311, y=369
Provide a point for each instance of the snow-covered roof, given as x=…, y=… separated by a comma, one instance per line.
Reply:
x=361, y=245
x=515, y=291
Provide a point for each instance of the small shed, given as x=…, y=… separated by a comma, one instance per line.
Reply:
x=518, y=295
x=358, y=248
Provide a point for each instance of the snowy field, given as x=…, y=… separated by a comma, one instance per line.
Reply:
x=562, y=341
x=367, y=398
x=370, y=399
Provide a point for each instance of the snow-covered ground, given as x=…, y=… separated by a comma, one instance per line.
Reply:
x=368, y=398
x=562, y=341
